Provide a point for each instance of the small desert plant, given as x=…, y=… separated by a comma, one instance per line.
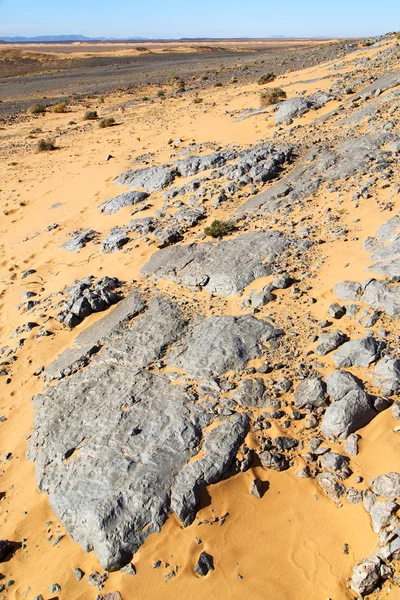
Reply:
x=398, y=35
x=61, y=107
x=35, y=130
x=161, y=93
x=272, y=96
x=46, y=145
x=197, y=100
x=145, y=98
x=108, y=122
x=101, y=100
x=267, y=78
x=36, y=109
x=219, y=228
x=90, y=115
x=218, y=84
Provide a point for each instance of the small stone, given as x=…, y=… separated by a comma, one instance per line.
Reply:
x=79, y=574
x=204, y=564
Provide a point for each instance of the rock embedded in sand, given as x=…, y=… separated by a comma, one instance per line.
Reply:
x=347, y=290
x=340, y=383
x=204, y=565
x=151, y=179
x=328, y=342
x=366, y=576
x=127, y=199
x=288, y=109
x=330, y=486
x=381, y=513
x=223, y=268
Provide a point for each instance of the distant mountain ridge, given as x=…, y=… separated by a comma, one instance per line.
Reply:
x=60, y=38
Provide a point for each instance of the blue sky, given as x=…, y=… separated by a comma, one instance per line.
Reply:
x=199, y=18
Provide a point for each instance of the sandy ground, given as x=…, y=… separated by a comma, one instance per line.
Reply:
x=286, y=546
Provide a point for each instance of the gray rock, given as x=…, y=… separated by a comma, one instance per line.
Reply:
x=328, y=342
x=224, y=267
x=351, y=445
x=80, y=240
x=274, y=461
x=151, y=179
x=256, y=488
x=54, y=588
x=204, y=564
x=396, y=411
x=347, y=415
x=79, y=574
x=387, y=375
x=167, y=237
x=194, y=164
x=336, y=311
x=357, y=353
x=340, y=383
x=81, y=308
x=288, y=109
x=366, y=576
x=116, y=239
x=249, y=392
x=381, y=513
x=220, y=344
x=310, y=391
x=127, y=199
x=347, y=290
x=387, y=486
x=380, y=295
x=220, y=448
x=337, y=464
x=330, y=486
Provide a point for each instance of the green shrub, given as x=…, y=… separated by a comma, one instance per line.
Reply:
x=272, y=96
x=267, y=78
x=161, y=93
x=90, y=115
x=61, y=107
x=197, y=100
x=46, y=145
x=36, y=109
x=219, y=228
x=108, y=122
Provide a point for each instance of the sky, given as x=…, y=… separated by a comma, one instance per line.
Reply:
x=199, y=18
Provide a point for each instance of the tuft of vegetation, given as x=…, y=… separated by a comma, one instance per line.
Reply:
x=218, y=84
x=108, y=122
x=272, y=96
x=398, y=35
x=161, y=93
x=218, y=228
x=101, y=100
x=145, y=98
x=90, y=115
x=36, y=109
x=61, y=107
x=197, y=100
x=267, y=78
x=46, y=145
x=35, y=131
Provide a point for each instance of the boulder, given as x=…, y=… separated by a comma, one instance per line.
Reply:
x=357, y=353
x=328, y=342
x=310, y=391
x=387, y=375
x=330, y=486
x=347, y=415
x=381, y=513
x=347, y=290
x=204, y=564
x=249, y=392
x=387, y=486
x=366, y=576
x=288, y=109
x=127, y=199
x=151, y=179
x=340, y=383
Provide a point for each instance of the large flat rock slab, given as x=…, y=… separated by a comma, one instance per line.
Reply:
x=223, y=268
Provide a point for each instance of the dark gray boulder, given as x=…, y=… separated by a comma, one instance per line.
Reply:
x=328, y=342
x=219, y=450
x=249, y=392
x=204, y=564
x=387, y=486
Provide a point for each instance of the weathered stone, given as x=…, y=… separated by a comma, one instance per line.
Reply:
x=328, y=342
x=224, y=267
x=347, y=415
x=116, y=239
x=366, y=576
x=249, y=392
x=336, y=311
x=220, y=447
x=80, y=240
x=380, y=295
x=330, y=486
x=273, y=460
x=220, y=344
x=387, y=375
x=387, y=486
x=256, y=488
x=341, y=383
x=127, y=199
x=152, y=179
x=381, y=513
x=347, y=290
x=288, y=109
x=351, y=445
x=310, y=391
x=337, y=464
x=357, y=353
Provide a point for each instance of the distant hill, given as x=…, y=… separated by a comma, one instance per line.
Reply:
x=59, y=38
